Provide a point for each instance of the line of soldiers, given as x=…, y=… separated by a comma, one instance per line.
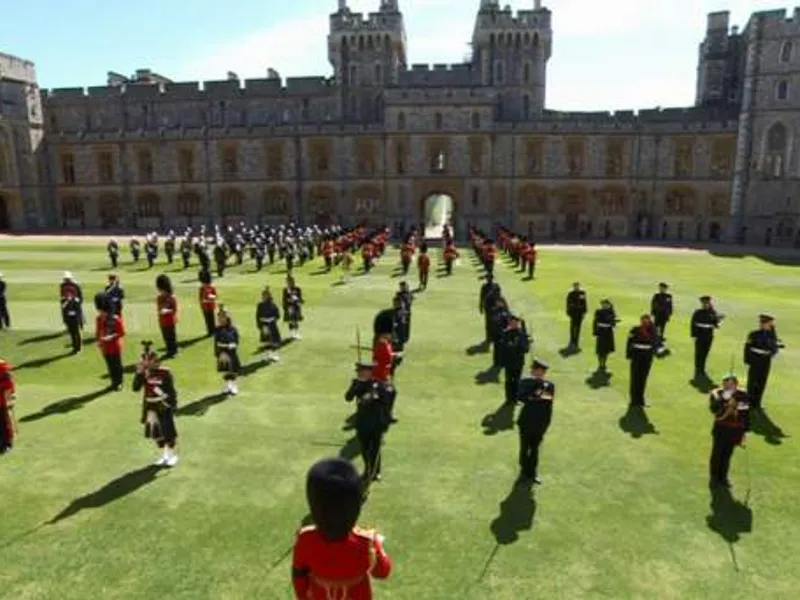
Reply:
x=519, y=248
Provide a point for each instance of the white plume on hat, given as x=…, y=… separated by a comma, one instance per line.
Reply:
x=67, y=275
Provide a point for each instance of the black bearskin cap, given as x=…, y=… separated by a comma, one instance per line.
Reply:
x=204, y=276
x=100, y=301
x=333, y=491
x=384, y=321
x=423, y=247
x=164, y=284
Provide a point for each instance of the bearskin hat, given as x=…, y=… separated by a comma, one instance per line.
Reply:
x=100, y=301
x=333, y=491
x=163, y=284
x=423, y=247
x=204, y=277
x=384, y=322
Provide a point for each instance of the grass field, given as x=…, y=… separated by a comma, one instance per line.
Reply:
x=624, y=511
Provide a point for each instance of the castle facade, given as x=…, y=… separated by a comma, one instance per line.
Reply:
x=377, y=139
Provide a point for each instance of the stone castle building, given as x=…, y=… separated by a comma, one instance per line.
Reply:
x=378, y=138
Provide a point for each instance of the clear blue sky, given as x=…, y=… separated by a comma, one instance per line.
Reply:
x=606, y=53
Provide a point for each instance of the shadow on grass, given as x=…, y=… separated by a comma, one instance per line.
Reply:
x=500, y=420
x=729, y=517
x=569, y=351
x=599, y=379
x=192, y=341
x=516, y=514
x=113, y=490
x=490, y=375
x=350, y=450
x=761, y=424
x=636, y=423
x=47, y=337
x=65, y=406
x=198, y=408
x=349, y=423
x=42, y=362
x=703, y=384
x=127, y=369
x=479, y=348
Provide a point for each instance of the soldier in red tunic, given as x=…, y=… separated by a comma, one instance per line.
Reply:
x=423, y=265
x=208, y=301
x=167, y=314
x=450, y=255
x=334, y=559
x=8, y=426
x=109, y=331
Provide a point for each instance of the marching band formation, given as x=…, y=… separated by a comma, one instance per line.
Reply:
x=335, y=490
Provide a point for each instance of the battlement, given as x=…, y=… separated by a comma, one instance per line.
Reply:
x=15, y=68
x=193, y=90
x=522, y=20
x=454, y=75
x=776, y=23
x=415, y=96
x=374, y=22
x=694, y=118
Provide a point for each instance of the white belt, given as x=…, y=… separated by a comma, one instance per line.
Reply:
x=72, y=312
x=270, y=320
x=643, y=346
x=760, y=351
x=705, y=325
x=227, y=346
x=604, y=325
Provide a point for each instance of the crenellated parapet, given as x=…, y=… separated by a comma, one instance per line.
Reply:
x=17, y=69
x=440, y=75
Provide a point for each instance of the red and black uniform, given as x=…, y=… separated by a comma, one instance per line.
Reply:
x=450, y=255
x=327, y=253
x=731, y=409
x=382, y=359
x=7, y=391
x=367, y=255
x=640, y=350
x=158, y=405
x=109, y=331
x=70, y=289
x=406, y=254
x=424, y=267
x=167, y=320
x=208, y=303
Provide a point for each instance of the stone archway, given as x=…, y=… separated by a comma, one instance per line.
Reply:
x=5, y=218
x=437, y=212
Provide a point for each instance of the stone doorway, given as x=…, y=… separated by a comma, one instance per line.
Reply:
x=437, y=213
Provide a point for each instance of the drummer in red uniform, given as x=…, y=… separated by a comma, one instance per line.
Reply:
x=8, y=427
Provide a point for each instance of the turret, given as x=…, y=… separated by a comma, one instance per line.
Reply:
x=718, y=64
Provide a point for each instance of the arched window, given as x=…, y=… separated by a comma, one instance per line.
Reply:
x=518, y=40
x=536, y=38
x=401, y=120
x=188, y=204
x=378, y=75
x=527, y=38
x=526, y=74
x=438, y=121
x=782, y=90
x=353, y=75
x=498, y=72
x=361, y=42
x=232, y=203
x=776, y=145
x=370, y=44
x=148, y=206
x=786, y=52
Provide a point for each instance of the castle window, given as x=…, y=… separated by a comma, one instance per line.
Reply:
x=378, y=75
x=145, y=165
x=400, y=158
x=527, y=38
x=438, y=162
x=475, y=197
x=526, y=74
x=232, y=203
x=361, y=42
x=776, y=145
x=401, y=120
x=229, y=162
x=782, y=90
x=491, y=39
x=105, y=167
x=476, y=155
x=370, y=44
x=353, y=75
x=305, y=112
x=526, y=107
x=498, y=72
x=575, y=154
x=148, y=206
x=274, y=161
x=533, y=157
x=786, y=52
x=438, y=120
x=684, y=159
x=500, y=39
x=68, y=168
x=476, y=120
x=536, y=38
x=72, y=209
x=615, y=150
x=188, y=204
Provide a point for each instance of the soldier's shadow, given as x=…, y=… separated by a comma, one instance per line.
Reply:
x=490, y=375
x=729, y=517
x=569, y=351
x=703, y=385
x=599, y=379
x=200, y=407
x=42, y=362
x=349, y=423
x=500, y=420
x=761, y=424
x=517, y=511
x=46, y=337
x=636, y=422
x=479, y=348
x=351, y=449
x=65, y=406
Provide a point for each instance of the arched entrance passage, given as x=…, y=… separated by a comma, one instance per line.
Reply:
x=437, y=212
x=5, y=220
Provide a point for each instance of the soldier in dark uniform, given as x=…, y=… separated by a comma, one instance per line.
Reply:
x=407, y=297
x=151, y=250
x=220, y=258
x=661, y=309
x=605, y=320
x=71, y=315
x=136, y=250
x=373, y=413
x=576, y=310
x=169, y=247
x=5, y=319
x=292, y=307
x=113, y=252
x=70, y=287
x=259, y=253
x=761, y=345
x=226, y=350
x=514, y=345
x=731, y=409
x=641, y=347
x=267, y=316
x=114, y=294
x=499, y=320
x=536, y=395
x=186, y=252
x=399, y=330
x=158, y=404
x=490, y=292
x=704, y=321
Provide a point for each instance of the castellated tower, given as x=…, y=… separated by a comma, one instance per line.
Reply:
x=511, y=53
x=720, y=65
x=367, y=54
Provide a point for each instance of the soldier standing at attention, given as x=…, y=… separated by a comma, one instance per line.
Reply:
x=372, y=417
x=514, y=345
x=207, y=295
x=220, y=258
x=169, y=247
x=113, y=252
x=423, y=265
x=450, y=256
x=226, y=349
x=267, y=315
x=605, y=320
x=576, y=311
x=70, y=287
x=761, y=345
x=333, y=558
x=292, y=307
x=399, y=330
x=406, y=253
x=405, y=294
x=5, y=319
x=730, y=407
x=167, y=306
x=704, y=321
x=115, y=294
x=641, y=347
x=186, y=252
x=151, y=250
x=136, y=250
x=490, y=292
x=661, y=309
x=159, y=400
x=536, y=395
x=109, y=331
x=500, y=315
x=71, y=315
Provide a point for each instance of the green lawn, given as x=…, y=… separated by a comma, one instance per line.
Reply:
x=621, y=514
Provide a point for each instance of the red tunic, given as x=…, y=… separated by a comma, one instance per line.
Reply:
x=167, y=310
x=7, y=390
x=424, y=263
x=109, y=331
x=208, y=297
x=342, y=570
x=382, y=360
